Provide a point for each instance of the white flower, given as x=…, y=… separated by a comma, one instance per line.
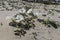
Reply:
x=22, y=10
x=29, y=11
x=19, y=18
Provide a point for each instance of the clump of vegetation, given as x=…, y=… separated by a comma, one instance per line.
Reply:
x=49, y=23
x=27, y=8
x=44, y=15
x=50, y=12
x=23, y=23
x=1, y=24
x=55, y=10
x=35, y=34
x=20, y=32
x=45, y=7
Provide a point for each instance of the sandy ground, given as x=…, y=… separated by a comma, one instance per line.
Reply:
x=43, y=32
x=6, y=32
